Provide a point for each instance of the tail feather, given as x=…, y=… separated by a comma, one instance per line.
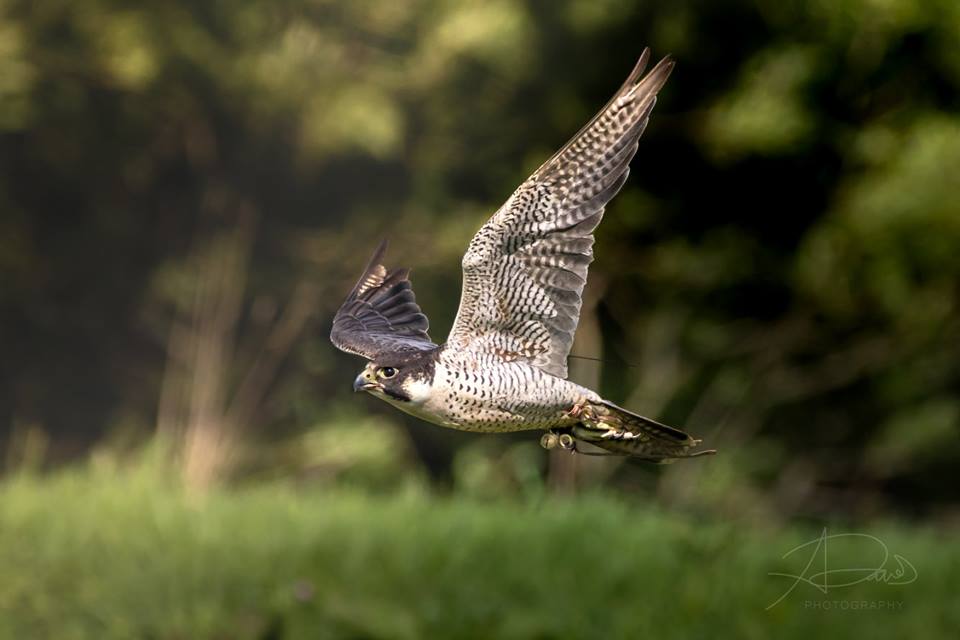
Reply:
x=605, y=425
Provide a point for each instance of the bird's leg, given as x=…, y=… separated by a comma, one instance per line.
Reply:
x=594, y=419
x=589, y=420
x=578, y=410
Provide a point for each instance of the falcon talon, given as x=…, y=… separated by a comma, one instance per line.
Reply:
x=503, y=366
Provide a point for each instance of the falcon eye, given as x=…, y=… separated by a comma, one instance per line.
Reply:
x=387, y=372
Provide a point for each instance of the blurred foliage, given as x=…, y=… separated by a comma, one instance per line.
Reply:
x=487, y=469
x=111, y=553
x=781, y=273
x=353, y=451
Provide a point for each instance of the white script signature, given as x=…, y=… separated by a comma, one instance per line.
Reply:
x=826, y=579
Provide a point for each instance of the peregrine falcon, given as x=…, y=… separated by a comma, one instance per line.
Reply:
x=504, y=364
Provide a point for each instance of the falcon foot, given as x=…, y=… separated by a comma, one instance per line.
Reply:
x=579, y=410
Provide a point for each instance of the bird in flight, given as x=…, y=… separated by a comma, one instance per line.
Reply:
x=504, y=364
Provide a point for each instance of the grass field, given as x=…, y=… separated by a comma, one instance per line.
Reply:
x=107, y=554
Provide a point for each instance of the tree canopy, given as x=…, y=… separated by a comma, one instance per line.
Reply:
x=189, y=190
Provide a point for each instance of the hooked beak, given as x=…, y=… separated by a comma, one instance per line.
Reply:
x=364, y=383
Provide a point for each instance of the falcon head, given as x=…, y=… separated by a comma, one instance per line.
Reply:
x=400, y=380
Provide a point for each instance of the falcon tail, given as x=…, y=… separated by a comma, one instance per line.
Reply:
x=621, y=432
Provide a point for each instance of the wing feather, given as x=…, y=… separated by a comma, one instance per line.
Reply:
x=525, y=269
x=381, y=314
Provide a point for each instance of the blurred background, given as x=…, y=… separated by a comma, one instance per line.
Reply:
x=188, y=191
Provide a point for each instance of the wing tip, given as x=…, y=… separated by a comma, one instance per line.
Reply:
x=659, y=74
x=663, y=67
x=374, y=262
x=380, y=251
x=638, y=69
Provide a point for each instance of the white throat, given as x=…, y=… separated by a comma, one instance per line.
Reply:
x=417, y=389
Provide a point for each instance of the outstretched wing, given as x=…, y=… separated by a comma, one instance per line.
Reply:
x=381, y=314
x=524, y=271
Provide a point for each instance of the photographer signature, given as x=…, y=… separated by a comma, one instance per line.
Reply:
x=904, y=573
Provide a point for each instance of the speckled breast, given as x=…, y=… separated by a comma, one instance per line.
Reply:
x=475, y=393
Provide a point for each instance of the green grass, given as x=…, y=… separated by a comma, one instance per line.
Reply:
x=123, y=555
